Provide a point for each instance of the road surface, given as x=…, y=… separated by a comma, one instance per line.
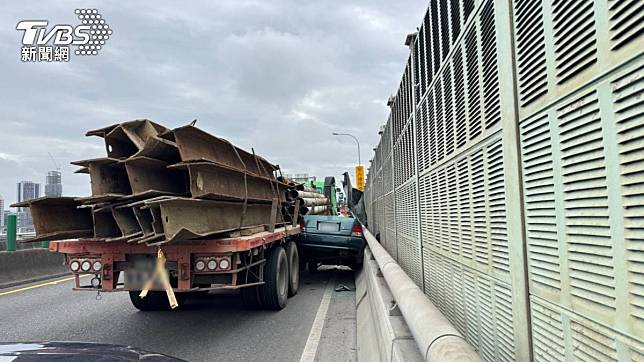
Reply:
x=212, y=327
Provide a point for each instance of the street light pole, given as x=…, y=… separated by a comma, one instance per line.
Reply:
x=355, y=139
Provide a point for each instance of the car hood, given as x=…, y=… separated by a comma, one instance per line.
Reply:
x=75, y=351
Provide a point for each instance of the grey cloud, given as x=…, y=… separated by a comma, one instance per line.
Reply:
x=278, y=76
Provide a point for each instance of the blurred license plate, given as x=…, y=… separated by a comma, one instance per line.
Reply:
x=328, y=226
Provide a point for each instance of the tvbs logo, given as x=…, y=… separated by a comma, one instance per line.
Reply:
x=43, y=44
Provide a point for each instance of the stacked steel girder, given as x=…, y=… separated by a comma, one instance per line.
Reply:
x=158, y=185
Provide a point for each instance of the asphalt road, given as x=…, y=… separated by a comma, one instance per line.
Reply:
x=208, y=328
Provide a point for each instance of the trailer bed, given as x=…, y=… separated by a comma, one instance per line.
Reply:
x=243, y=253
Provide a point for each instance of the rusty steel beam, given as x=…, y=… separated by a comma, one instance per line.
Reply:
x=197, y=145
x=144, y=219
x=58, y=218
x=108, y=177
x=105, y=226
x=184, y=219
x=159, y=148
x=149, y=176
x=214, y=181
x=126, y=221
x=125, y=139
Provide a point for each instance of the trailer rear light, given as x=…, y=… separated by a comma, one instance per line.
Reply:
x=212, y=264
x=224, y=263
x=96, y=282
x=356, y=231
x=86, y=265
x=200, y=265
x=302, y=225
x=97, y=266
x=74, y=265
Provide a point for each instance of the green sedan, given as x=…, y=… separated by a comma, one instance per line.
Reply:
x=331, y=240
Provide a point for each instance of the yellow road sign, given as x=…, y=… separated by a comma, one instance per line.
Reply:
x=360, y=177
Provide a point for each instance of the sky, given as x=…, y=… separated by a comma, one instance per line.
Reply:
x=279, y=76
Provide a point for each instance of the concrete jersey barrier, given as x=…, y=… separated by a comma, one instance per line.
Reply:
x=24, y=266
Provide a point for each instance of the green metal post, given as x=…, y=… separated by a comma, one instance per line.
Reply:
x=11, y=232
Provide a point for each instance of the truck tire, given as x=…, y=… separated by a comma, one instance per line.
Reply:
x=274, y=291
x=293, y=268
x=155, y=300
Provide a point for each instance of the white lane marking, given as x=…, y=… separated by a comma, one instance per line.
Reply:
x=312, y=343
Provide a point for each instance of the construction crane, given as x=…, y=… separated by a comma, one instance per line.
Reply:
x=53, y=160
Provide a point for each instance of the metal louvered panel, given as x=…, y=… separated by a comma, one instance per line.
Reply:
x=490, y=71
x=451, y=211
x=409, y=258
x=582, y=178
x=448, y=112
x=431, y=131
x=438, y=121
x=556, y=330
x=628, y=106
x=442, y=214
x=465, y=209
x=627, y=21
x=473, y=84
x=539, y=204
x=531, y=51
x=528, y=125
x=406, y=211
x=422, y=138
x=478, y=306
x=444, y=28
x=548, y=335
x=392, y=245
x=562, y=45
x=435, y=38
x=460, y=117
x=574, y=26
x=479, y=214
x=586, y=202
x=455, y=19
x=497, y=209
x=390, y=215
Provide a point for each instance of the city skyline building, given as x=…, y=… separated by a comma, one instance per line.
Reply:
x=27, y=190
x=54, y=184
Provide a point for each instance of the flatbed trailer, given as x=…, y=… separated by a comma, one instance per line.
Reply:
x=264, y=266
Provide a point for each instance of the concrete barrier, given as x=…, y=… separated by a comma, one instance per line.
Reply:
x=26, y=266
x=383, y=334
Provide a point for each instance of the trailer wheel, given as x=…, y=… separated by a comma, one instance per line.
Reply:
x=274, y=292
x=293, y=268
x=155, y=300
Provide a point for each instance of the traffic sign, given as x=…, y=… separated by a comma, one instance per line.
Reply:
x=360, y=177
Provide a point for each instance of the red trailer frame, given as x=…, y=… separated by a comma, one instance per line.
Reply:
x=114, y=258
